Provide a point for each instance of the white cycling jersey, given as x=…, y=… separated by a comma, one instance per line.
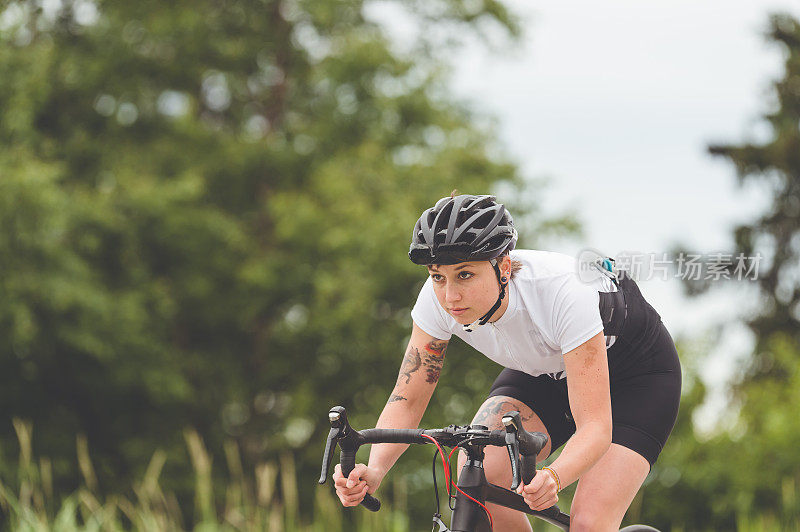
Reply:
x=550, y=312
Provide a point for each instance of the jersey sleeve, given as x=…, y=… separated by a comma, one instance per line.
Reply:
x=576, y=313
x=428, y=314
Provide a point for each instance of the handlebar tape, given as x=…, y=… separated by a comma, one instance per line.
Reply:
x=393, y=436
x=348, y=462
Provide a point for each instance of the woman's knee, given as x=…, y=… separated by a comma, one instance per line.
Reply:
x=588, y=521
x=490, y=414
x=605, y=492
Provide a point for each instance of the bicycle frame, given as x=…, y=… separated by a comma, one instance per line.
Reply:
x=469, y=517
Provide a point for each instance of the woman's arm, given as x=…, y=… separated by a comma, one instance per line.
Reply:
x=418, y=376
x=416, y=381
x=590, y=402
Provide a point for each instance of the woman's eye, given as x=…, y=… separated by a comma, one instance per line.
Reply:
x=439, y=278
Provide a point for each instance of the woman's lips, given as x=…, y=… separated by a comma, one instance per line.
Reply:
x=458, y=311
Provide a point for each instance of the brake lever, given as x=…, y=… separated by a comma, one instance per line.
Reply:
x=529, y=445
x=512, y=446
x=349, y=441
x=336, y=433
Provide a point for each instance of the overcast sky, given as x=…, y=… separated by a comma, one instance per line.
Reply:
x=615, y=102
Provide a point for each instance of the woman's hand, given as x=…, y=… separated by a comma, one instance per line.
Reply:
x=541, y=493
x=362, y=480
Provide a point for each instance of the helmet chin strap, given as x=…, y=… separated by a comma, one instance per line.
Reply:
x=485, y=318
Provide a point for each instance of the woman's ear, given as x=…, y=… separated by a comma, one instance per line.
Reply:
x=505, y=265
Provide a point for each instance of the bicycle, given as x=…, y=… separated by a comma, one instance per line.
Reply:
x=469, y=513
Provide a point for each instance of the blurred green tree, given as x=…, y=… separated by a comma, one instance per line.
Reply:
x=748, y=474
x=776, y=234
x=204, y=212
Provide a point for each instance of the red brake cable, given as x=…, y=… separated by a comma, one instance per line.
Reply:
x=448, y=481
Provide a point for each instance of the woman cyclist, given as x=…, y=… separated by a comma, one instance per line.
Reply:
x=589, y=363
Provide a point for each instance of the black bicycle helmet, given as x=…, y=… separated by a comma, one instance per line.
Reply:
x=461, y=229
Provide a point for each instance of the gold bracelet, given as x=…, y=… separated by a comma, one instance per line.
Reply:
x=555, y=477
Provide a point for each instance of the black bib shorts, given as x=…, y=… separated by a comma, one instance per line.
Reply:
x=645, y=379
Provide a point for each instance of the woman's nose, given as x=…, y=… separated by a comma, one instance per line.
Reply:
x=452, y=294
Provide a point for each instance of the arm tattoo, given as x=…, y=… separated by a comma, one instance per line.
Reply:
x=431, y=358
x=437, y=347
x=434, y=358
x=411, y=363
x=394, y=398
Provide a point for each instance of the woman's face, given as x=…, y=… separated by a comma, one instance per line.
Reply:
x=469, y=289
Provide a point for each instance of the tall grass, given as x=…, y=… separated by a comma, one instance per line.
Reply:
x=265, y=499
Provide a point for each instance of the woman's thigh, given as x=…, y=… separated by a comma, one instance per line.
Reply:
x=645, y=406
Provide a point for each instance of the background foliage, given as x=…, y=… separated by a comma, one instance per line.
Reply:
x=751, y=472
x=204, y=212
